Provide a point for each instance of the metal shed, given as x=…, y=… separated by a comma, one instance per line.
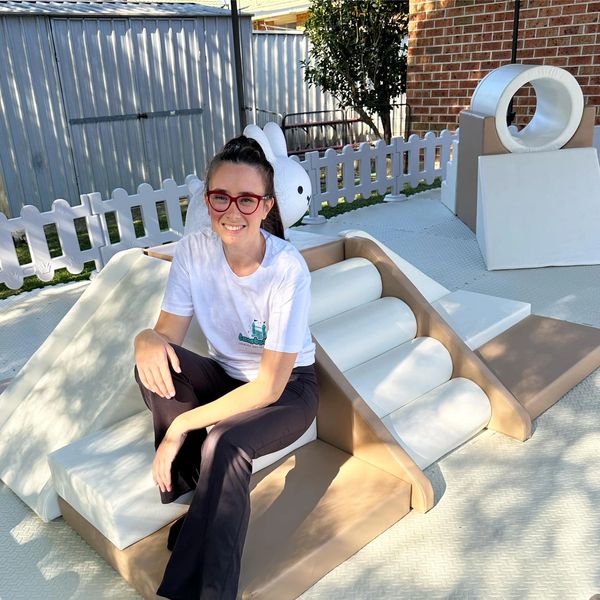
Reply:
x=99, y=95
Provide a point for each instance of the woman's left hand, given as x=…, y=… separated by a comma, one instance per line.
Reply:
x=165, y=455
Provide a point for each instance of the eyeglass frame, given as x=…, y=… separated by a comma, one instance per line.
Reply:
x=234, y=200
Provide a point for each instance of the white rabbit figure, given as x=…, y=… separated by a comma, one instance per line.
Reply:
x=197, y=217
x=292, y=184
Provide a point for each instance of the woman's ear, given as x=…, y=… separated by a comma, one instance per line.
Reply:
x=268, y=205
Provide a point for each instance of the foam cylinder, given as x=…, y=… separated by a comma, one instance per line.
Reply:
x=558, y=112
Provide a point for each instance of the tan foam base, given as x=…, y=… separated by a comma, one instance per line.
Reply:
x=541, y=359
x=310, y=512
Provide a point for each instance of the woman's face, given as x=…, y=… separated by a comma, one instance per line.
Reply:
x=236, y=179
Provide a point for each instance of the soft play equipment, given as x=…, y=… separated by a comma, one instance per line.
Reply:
x=408, y=371
x=399, y=389
x=531, y=196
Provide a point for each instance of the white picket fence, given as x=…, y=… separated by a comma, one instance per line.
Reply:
x=395, y=164
x=334, y=176
x=31, y=223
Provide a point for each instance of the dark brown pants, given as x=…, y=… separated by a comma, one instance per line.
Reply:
x=206, y=559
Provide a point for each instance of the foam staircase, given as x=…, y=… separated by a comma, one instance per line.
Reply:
x=406, y=380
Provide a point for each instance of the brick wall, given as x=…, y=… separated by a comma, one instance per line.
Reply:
x=454, y=43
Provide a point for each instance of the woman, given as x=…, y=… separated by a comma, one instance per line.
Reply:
x=250, y=291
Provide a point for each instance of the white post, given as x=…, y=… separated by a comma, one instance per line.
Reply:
x=34, y=223
x=397, y=183
x=11, y=272
x=312, y=168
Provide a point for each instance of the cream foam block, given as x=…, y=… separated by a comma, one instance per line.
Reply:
x=539, y=209
x=397, y=377
x=341, y=287
x=436, y=423
x=107, y=478
x=364, y=332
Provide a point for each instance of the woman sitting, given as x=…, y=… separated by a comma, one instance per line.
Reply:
x=250, y=291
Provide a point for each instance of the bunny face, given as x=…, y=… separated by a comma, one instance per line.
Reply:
x=292, y=184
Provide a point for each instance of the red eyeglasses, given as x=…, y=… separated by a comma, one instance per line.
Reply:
x=246, y=203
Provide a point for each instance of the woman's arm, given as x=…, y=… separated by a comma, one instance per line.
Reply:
x=153, y=352
x=273, y=375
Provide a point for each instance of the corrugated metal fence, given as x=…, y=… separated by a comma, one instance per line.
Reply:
x=91, y=104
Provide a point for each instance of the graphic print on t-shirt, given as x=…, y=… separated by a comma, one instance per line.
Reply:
x=256, y=334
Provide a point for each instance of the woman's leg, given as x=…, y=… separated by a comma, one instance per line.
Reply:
x=201, y=380
x=206, y=560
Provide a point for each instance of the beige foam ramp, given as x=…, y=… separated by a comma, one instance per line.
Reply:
x=440, y=421
x=395, y=378
x=366, y=331
x=81, y=379
x=540, y=359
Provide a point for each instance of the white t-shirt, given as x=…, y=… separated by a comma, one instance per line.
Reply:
x=242, y=315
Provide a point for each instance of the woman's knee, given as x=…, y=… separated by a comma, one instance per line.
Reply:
x=222, y=442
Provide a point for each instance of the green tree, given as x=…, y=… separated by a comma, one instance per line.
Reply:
x=358, y=54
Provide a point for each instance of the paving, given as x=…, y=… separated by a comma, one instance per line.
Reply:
x=512, y=519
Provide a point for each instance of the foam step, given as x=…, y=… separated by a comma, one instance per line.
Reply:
x=440, y=421
x=366, y=331
x=398, y=376
x=107, y=478
x=343, y=286
x=478, y=318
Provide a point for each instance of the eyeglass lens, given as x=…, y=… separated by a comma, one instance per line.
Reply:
x=246, y=204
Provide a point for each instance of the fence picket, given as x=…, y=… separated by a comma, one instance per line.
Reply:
x=11, y=272
x=414, y=151
x=430, y=145
x=363, y=155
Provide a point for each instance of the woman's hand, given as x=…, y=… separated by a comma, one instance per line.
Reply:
x=165, y=455
x=153, y=353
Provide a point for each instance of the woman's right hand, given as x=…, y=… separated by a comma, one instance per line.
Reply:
x=153, y=353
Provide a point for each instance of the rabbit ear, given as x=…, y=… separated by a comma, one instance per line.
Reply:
x=275, y=136
x=256, y=133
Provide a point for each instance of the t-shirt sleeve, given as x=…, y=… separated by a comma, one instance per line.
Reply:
x=288, y=311
x=178, y=293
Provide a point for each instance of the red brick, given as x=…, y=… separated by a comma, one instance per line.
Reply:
x=569, y=50
x=580, y=60
x=549, y=11
x=565, y=20
x=537, y=43
x=541, y=52
x=536, y=23
x=583, y=40
x=571, y=30
x=573, y=9
x=527, y=13
x=547, y=32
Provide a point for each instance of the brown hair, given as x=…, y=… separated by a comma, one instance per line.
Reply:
x=247, y=151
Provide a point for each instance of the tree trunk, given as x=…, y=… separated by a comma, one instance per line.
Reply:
x=366, y=118
x=386, y=120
